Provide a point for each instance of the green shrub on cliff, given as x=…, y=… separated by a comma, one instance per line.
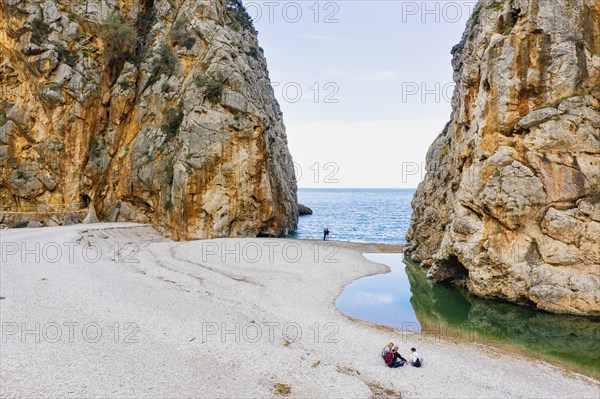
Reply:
x=143, y=23
x=66, y=56
x=163, y=63
x=39, y=31
x=119, y=40
x=5, y=106
x=254, y=53
x=475, y=16
x=444, y=151
x=96, y=148
x=172, y=120
x=125, y=85
x=212, y=84
x=238, y=17
x=179, y=36
x=54, y=86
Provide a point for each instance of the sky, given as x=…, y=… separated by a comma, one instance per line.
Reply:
x=365, y=86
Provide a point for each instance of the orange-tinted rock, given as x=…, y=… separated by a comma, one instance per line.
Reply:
x=141, y=137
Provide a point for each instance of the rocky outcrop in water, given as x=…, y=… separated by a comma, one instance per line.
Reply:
x=510, y=205
x=158, y=112
x=304, y=210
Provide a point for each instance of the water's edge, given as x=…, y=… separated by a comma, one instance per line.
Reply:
x=356, y=215
x=404, y=299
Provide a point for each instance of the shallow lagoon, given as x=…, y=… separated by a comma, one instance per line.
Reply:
x=406, y=299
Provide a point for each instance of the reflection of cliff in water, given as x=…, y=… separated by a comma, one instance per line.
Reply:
x=436, y=303
x=568, y=338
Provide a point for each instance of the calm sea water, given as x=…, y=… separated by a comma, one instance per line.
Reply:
x=362, y=215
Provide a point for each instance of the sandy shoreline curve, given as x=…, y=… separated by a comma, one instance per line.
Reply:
x=360, y=246
x=117, y=310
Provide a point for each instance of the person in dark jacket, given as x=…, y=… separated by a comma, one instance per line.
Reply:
x=394, y=359
x=398, y=360
x=325, y=233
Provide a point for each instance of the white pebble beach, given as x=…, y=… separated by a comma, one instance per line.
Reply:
x=120, y=311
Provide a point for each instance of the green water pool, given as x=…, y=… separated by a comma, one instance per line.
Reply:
x=407, y=300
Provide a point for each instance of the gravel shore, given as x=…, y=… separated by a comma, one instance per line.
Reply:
x=116, y=310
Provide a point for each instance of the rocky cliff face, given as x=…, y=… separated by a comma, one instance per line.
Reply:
x=158, y=112
x=510, y=205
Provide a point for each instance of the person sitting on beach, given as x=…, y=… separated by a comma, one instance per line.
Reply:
x=394, y=359
x=389, y=359
x=386, y=349
x=398, y=361
x=415, y=359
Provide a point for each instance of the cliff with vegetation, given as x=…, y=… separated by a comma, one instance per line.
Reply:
x=157, y=112
x=510, y=204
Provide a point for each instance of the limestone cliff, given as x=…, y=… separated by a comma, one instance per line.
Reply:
x=510, y=204
x=153, y=111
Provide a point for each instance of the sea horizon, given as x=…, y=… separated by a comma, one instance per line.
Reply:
x=376, y=215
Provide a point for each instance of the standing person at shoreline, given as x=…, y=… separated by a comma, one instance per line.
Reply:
x=325, y=233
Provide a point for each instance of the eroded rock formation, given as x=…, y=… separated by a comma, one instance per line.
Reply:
x=158, y=112
x=510, y=204
x=304, y=210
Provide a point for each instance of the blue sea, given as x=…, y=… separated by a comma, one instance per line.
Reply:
x=360, y=215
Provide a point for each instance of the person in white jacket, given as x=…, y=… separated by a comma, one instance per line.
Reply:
x=415, y=359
